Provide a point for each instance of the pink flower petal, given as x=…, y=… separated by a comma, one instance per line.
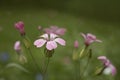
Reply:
x=39, y=42
x=60, y=31
x=17, y=46
x=98, y=40
x=102, y=57
x=51, y=45
x=44, y=36
x=107, y=63
x=104, y=60
x=47, y=30
x=19, y=25
x=54, y=28
x=53, y=36
x=113, y=69
x=83, y=35
x=60, y=41
x=91, y=36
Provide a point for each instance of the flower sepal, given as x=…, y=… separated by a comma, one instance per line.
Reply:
x=99, y=71
x=49, y=53
x=83, y=52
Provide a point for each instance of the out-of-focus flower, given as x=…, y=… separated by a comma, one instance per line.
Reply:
x=4, y=56
x=104, y=60
x=90, y=38
x=17, y=46
x=55, y=30
x=20, y=26
x=39, y=77
x=109, y=67
x=76, y=44
x=50, y=41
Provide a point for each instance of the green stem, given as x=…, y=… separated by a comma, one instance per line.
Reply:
x=85, y=68
x=26, y=42
x=77, y=70
x=46, y=67
x=35, y=63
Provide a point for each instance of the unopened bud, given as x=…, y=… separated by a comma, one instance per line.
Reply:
x=20, y=26
x=17, y=46
x=76, y=44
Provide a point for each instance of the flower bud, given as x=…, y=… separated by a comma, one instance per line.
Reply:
x=20, y=26
x=17, y=46
x=76, y=44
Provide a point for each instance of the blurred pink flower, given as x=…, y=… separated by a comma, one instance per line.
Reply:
x=20, y=26
x=55, y=30
x=90, y=38
x=50, y=41
x=109, y=67
x=17, y=46
x=76, y=44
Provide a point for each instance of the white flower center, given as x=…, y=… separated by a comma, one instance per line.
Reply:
x=107, y=71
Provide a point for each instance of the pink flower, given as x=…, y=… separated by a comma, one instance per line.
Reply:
x=89, y=38
x=17, y=46
x=104, y=60
x=50, y=41
x=20, y=26
x=109, y=67
x=76, y=44
x=55, y=30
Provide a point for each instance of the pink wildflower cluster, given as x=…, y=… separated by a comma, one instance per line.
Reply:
x=51, y=38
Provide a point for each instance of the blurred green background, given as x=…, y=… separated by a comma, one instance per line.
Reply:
x=101, y=18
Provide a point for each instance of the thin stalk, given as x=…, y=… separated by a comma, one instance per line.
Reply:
x=46, y=67
x=76, y=61
x=77, y=70
x=26, y=42
x=35, y=63
x=85, y=68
